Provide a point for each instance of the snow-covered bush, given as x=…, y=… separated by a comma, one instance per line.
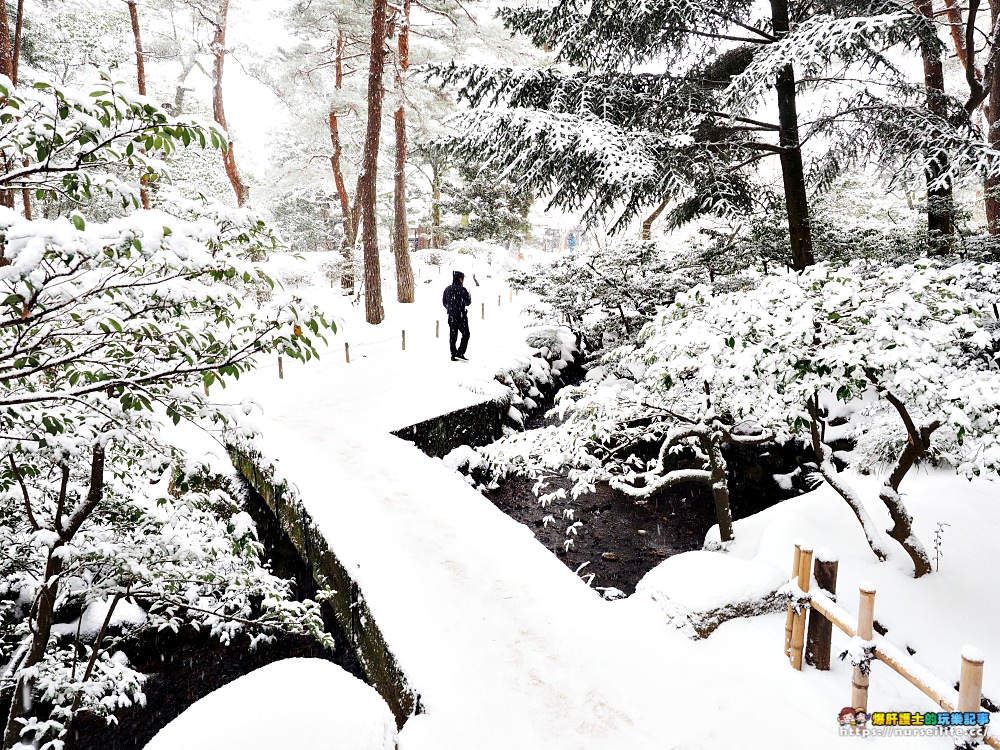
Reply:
x=486, y=251
x=430, y=257
x=141, y=561
x=105, y=329
x=613, y=290
x=530, y=379
x=911, y=350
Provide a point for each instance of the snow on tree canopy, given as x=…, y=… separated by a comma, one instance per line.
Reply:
x=924, y=333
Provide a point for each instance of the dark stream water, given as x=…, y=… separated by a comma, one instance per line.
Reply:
x=620, y=540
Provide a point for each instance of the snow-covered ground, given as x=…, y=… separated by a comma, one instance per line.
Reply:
x=506, y=646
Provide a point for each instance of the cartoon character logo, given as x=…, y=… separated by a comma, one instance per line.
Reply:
x=860, y=717
x=846, y=716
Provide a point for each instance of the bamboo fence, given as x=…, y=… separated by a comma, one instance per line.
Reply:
x=968, y=698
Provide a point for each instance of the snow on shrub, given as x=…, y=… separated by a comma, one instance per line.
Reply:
x=108, y=331
x=912, y=349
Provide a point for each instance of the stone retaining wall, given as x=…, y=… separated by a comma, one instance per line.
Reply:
x=348, y=603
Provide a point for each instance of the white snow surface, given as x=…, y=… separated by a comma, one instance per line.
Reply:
x=507, y=647
x=293, y=703
x=704, y=581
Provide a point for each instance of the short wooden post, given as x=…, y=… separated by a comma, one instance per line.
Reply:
x=484, y=311
x=866, y=619
x=791, y=610
x=281, y=368
x=970, y=681
x=404, y=340
x=347, y=352
x=437, y=329
x=820, y=629
x=799, y=618
x=498, y=300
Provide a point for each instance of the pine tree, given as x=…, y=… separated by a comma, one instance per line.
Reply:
x=491, y=208
x=400, y=231
x=605, y=138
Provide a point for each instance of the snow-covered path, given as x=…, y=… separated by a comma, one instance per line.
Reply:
x=506, y=646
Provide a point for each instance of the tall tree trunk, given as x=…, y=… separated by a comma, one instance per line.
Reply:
x=350, y=223
x=992, y=185
x=956, y=24
x=350, y=215
x=14, y=65
x=7, y=69
x=374, y=311
x=338, y=179
x=647, y=225
x=436, y=170
x=140, y=74
x=940, y=203
x=140, y=62
x=792, y=172
x=16, y=51
x=6, y=46
x=400, y=231
x=241, y=189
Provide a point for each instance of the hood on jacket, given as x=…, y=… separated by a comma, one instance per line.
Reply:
x=457, y=276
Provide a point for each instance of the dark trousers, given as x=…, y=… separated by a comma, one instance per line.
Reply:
x=456, y=326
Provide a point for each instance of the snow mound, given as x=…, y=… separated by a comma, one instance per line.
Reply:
x=462, y=458
x=554, y=343
x=698, y=591
x=307, y=703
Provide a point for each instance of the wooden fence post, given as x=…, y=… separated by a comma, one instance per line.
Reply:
x=437, y=329
x=820, y=629
x=866, y=619
x=791, y=610
x=484, y=311
x=498, y=300
x=799, y=618
x=347, y=352
x=404, y=340
x=281, y=368
x=970, y=681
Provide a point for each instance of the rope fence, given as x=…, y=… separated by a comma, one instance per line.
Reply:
x=348, y=346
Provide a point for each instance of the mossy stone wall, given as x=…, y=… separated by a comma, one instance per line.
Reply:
x=353, y=615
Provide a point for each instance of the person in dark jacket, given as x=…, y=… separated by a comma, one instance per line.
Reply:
x=456, y=299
